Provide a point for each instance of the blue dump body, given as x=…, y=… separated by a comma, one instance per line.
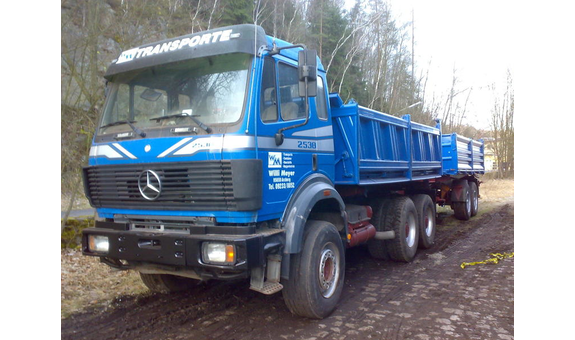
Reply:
x=373, y=148
x=462, y=155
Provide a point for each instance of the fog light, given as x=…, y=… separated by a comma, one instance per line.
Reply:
x=218, y=253
x=98, y=243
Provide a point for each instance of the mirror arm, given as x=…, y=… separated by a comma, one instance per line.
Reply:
x=276, y=50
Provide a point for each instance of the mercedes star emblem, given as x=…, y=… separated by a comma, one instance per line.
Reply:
x=150, y=185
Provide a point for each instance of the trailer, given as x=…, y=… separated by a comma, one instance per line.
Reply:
x=463, y=159
x=221, y=155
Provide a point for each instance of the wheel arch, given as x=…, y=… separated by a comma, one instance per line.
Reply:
x=317, y=198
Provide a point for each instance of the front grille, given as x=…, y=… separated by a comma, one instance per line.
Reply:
x=202, y=185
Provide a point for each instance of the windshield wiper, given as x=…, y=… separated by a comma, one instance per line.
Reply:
x=170, y=116
x=197, y=121
x=120, y=122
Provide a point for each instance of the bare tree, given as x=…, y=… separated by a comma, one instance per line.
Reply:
x=503, y=130
x=81, y=89
x=454, y=108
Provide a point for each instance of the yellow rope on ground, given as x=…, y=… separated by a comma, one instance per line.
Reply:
x=496, y=257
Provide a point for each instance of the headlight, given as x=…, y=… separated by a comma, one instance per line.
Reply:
x=98, y=243
x=218, y=253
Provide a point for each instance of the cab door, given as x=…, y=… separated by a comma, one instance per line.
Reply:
x=305, y=149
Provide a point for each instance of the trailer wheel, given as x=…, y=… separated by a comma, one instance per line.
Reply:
x=462, y=209
x=316, y=273
x=426, y=220
x=402, y=219
x=377, y=247
x=164, y=283
x=474, y=197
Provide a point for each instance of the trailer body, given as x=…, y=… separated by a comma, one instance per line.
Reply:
x=222, y=155
x=462, y=155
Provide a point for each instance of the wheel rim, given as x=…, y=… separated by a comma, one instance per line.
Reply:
x=468, y=202
x=328, y=270
x=410, y=226
x=429, y=223
x=475, y=201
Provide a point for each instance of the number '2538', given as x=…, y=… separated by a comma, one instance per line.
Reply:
x=306, y=145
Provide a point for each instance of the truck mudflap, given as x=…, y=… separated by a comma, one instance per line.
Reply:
x=130, y=249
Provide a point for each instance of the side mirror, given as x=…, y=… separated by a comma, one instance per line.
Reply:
x=307, y=70
x=307, y=74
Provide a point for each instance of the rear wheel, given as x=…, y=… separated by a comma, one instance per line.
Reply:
x=462, y=207
x=402, y=219
x=316, y=273
x=426, y=220
x=377, y=247
x=474, y=198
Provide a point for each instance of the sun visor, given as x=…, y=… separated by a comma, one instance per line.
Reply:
x=232, y=39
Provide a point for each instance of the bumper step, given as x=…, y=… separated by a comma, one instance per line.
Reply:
x=268, y=288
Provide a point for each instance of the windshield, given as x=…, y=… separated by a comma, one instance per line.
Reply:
x=201, y=92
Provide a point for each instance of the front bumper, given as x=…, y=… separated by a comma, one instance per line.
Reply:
x=181, y=251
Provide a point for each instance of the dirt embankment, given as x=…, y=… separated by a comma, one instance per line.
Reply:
x=429, y=298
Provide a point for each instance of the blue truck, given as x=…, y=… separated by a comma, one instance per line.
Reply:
x=221, y=155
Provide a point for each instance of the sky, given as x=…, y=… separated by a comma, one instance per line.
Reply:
x=470, y=37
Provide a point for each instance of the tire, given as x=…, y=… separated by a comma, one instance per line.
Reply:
x=474, y=195
x=462, y=210
x=375, y=247
x=426, y=220
x=402, y=219
x=164, y=283
x=316, y=273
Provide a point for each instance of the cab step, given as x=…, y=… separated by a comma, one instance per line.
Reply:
x=268, y=288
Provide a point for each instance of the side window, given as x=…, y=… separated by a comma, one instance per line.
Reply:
x=268, y=97
x=291, y=104
x=121, y=109
x=320, y=101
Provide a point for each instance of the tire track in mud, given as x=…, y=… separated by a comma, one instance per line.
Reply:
x=427, y=298
x=404, y=290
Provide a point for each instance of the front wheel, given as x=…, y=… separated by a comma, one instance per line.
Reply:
x=462, y=208
x=316, y=273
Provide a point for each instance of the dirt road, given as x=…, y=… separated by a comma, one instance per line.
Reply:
x=430, y=298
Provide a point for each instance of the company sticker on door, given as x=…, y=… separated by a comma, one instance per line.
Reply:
x=280, y=170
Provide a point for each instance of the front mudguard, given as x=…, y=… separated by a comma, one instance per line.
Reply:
x=314, y=189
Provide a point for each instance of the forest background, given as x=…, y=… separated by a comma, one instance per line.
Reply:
x=368, y=55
